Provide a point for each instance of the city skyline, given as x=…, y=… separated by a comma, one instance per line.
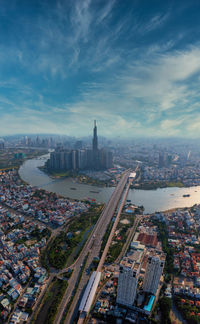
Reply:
x=132, y=66
x=80, y=158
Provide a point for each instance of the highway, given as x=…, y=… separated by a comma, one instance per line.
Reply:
x=104, y=254
x=92, y=247
x=103, y=257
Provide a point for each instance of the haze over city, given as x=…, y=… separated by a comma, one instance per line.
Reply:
x=132, y=66
x=99, y=161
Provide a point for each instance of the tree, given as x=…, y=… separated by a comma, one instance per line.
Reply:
x=165, y=307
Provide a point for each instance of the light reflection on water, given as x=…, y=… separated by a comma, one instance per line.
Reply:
x=152, y=200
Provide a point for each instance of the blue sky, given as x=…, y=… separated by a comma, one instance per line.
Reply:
x=134, y=65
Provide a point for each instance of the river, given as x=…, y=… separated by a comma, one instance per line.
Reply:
x=152, y=200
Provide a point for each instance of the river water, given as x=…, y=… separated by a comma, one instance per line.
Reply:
x=152, y=200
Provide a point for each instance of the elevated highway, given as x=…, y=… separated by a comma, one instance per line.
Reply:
x=91, y=249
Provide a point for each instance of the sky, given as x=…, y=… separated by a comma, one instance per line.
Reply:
x=133, y=65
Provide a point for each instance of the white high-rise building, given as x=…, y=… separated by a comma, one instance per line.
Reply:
x=155, y=266
x=127, y=282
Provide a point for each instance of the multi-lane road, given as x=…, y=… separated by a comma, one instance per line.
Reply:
x=104, y=254
x=92, y=249
x=103, y=257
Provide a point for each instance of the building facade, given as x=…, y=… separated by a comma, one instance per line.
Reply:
x=127, y=282
x=2, y=145
x=155, y=266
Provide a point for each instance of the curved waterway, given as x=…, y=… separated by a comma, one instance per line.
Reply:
x=152, y=200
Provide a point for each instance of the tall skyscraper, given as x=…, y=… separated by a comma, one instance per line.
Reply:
x=74, y=160
x=95, y=138
x=127, y=282
x=155, y=266
x=95, y=151
x=79, y=159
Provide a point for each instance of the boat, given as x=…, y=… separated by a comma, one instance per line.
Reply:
x=94, y=191
x=186, y=195
x=73, y=188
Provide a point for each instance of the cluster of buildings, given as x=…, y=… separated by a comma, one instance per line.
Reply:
x=21, y=276
x=45, y=206
x=47, y=142
x=145, y=154
x=183, y=227
x=161, y=163
x=80, y=159
x=134, y=285
x=145, y=261
x=187, y=175
x=164, y=159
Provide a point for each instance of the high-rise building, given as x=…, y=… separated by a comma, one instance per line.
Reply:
x=68, y=160
x=2, y=145
x=95, y=152
x=78, y=145
x=95, y=138
x=127, y=282
x=79, y=159
x=74, y=160
x=62, y=160
x=108, y=160
x=82, y=159
x=155, y=266
x=164, y=159
x=161, y=160
x=37, y=142
x=89, y=159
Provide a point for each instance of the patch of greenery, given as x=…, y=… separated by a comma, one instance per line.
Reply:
x=52, y=300
x=163, y=237
x=188, y=311
x=74, y=291
x=151, y=185
x=114, y=251
x=8, y=160
x=116, y=248
x=59, y=251
x=38, y=235
x=106, y=236
x=21, y=240
x=62, y=246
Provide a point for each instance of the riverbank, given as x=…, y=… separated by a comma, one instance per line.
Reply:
x=79, y=178
x=161, y=199
x=13, y=158
x=158, y=185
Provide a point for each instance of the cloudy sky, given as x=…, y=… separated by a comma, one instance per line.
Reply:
x=134, y=65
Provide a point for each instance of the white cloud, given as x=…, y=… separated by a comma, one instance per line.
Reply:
x=164, y=80
x=105, y=11
x=131, y=90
